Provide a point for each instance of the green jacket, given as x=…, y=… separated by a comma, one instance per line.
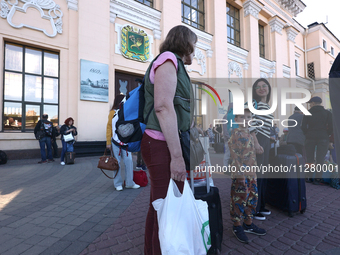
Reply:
x=184, y=105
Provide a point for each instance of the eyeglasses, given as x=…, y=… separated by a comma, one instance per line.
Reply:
x=264, y=86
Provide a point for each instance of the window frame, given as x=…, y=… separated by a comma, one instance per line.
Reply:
x=324, y=44
x=143, y=2
x=262, y=45
x=184, y=19
x=197, y=102
x=332, y=51
x=23, y=72
x=229, y=39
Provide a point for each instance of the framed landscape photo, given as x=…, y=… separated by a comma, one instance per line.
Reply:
x=94, y=81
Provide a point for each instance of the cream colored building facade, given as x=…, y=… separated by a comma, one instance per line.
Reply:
x=57, y=35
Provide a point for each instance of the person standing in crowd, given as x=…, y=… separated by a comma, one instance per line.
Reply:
x=277, y=131
x=167, y=89
x=55, y=134
x=120, y=152
x=45, y=125
x=260, y=131
x=243, y=194
x=67, y=146
x=140, y=162
x=226, y=137
x=211, y=134
x=317, y=129
x=295, y=134
x=283, y=138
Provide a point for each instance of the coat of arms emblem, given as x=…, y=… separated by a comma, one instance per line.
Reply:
x=135, y=44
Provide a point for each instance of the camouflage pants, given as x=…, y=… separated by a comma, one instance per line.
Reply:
x=243, y=199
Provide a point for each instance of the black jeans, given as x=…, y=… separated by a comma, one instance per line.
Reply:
x=321, y=151
x=262, y=159
x=55, y=148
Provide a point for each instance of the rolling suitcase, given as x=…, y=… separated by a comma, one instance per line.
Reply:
x=69, y=158
x=288, y=193
x=212, y=197
x=219, y=144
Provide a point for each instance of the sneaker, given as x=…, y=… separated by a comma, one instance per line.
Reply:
x=119, y=188
x=62, y=163
x=139, y=167
x=50, y=160
x=144, y=167
x=136, y=186
x=239, y=234
x=42, y=161
x=265, y=212
x=259, y=216
x=253, y=229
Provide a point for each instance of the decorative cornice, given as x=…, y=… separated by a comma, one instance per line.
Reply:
x=72, y=4
x=135, y=12
x=297, y=46
x=291, y=33
x=209, y=53
x=252, y=8
x=286, y=71
x=303, y=83
x=294, y=7
x=204, y=38
x=268, y=67
x=276, y=25
x=237, y=54
x=297, y=55
x=157, y=34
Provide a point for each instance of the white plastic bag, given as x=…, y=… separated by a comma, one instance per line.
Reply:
x=183, y=222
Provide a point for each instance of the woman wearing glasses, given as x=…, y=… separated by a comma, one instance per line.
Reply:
x=260, y=130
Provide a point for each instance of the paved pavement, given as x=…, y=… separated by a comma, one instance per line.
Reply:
x=54, y=209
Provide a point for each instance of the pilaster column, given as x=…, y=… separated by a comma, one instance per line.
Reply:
x=276, y=27
x=251, y=15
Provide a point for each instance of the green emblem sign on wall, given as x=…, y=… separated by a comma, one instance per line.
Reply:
x=135, y=44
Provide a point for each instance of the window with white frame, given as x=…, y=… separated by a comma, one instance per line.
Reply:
x=31, y=87
x=332, y=50
x=324, y=44
x=261, y=41
x=198, y=116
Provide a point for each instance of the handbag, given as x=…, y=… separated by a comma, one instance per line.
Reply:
x=40, y=134
x=140, y=178
x=192, y=148
x=108, y=162
x=69, y=137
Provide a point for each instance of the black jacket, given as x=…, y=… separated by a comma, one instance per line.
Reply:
x=64, y=128
x=319, y=125
x=38, y=126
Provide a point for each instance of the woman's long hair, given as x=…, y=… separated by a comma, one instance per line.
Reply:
x=116, y=103
x=256, y=96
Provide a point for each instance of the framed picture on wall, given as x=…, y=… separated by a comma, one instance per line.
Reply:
x=94, y=81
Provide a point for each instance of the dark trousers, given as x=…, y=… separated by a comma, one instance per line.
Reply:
x=55, y=148
x=321, y=146
x=334, y=94
x=156, y=156
x=42, y=142
x=139, y=159
x=262, y=159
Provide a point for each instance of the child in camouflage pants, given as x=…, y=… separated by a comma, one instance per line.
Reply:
x=243, y=194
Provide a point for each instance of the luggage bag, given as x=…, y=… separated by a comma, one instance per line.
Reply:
x=219, y=145
x=69, y=158
x=212, y=197
x=288, y=194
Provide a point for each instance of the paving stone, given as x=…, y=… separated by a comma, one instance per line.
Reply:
x=18, y=249
x=35, y=239
x=280, y=246
x=120, y=247
x=34, y=250
x=56, y=248
x=311, y=240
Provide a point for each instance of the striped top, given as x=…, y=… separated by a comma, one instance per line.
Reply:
x=257, y=125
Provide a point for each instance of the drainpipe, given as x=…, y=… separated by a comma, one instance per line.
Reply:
x=306, y=64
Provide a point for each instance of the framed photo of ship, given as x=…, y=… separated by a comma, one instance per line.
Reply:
x=94, y=81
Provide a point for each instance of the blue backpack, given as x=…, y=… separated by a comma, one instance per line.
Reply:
x=128, y=123
x=231, y=116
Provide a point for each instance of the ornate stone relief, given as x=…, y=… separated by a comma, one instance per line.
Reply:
x=293, y=6
x=267, y=67
x=48, y=9
x=276, y=25
x=263, y=75
x=251, y=8
x=234, y=67
x=201, y=61
x=291, y=34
